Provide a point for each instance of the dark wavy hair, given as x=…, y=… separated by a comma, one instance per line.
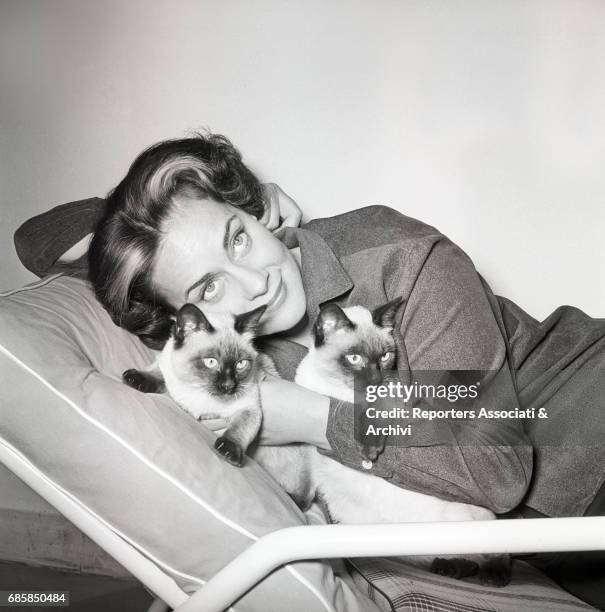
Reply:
x=122, y=253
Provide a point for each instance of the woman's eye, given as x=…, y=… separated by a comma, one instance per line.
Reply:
x=386, y=356
x=210, y=362
x=354, y=359
x=240, y=243
x=242, y=364
x=212, y=290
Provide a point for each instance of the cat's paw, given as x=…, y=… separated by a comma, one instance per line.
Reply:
x=303, y=502
x=370, y=445
x=231, y=451
x=372, y=449
x=454, y=568
x=496, y=571
x=142, y=381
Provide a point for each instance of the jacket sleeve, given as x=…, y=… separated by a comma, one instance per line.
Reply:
x=41, y=240
x=448, y=326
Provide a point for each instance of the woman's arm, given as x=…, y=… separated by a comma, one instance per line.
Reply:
x=43, y=239
x=448, y=325
x=63, y=232
x=491, y=468
x=292, y=413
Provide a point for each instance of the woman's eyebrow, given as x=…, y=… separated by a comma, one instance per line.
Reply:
x=228, y=231
x=206, y=276
x=197, y=283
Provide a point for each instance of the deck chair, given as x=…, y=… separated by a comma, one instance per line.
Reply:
x=139, y=477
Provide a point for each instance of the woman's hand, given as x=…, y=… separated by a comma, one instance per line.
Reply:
x=279, y=204
x=77, y=250
x=292, y=413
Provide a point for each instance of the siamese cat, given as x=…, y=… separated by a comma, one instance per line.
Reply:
x=212, y=370
x=351, y=342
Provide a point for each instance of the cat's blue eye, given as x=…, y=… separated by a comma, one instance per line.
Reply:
x=210, y=362
x=242, y=364
x=386, y=356
x=354, y=359
x=240, y=244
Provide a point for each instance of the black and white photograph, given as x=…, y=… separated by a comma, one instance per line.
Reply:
x=302, y=305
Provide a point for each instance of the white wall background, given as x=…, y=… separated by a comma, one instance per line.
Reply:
x=483, y=118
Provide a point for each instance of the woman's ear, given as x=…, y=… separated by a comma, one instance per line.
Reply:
x=384, y=316
x=330, y=319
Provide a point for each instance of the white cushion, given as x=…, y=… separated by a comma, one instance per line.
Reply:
x=137, y=461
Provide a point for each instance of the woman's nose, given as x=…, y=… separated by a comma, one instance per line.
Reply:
x=255, y=282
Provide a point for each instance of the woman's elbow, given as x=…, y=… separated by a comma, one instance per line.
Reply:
x=506, y=480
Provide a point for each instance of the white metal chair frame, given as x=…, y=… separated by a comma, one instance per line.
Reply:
x=315, y=542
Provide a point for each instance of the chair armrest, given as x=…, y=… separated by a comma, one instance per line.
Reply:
x=335, y=541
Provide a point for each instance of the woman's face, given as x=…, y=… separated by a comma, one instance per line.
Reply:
x=223, y=260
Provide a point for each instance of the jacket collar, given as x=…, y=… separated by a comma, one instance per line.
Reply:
x=323, y=276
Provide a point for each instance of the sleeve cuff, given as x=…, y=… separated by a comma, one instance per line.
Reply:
x=41, y=240
x=340, y=432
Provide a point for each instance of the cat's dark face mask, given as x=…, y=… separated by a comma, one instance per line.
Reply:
x=219, y=355
x=356, y=343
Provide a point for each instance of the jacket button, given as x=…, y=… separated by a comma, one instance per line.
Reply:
x=366, y=464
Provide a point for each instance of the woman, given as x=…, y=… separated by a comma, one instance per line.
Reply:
x=184, y=226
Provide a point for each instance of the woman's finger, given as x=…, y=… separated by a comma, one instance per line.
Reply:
x=270, y=218
x=289, y=210
x=281, y=211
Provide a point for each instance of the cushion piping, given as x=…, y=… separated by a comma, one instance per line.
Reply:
x=152, y=466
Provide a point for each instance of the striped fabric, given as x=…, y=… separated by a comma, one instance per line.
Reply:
x=397, y=586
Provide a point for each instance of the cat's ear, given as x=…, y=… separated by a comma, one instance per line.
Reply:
x=330, y=319
x=190, y=319
x=384, y=316
x=249, y=321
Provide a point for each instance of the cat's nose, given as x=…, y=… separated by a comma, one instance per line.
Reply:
x=373, y=375
x=227, y=386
